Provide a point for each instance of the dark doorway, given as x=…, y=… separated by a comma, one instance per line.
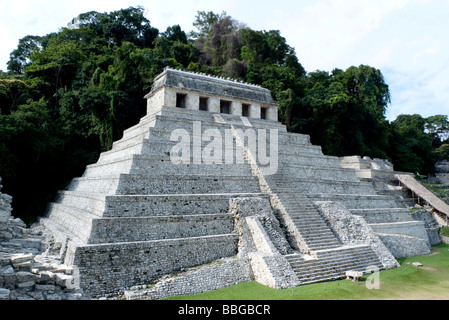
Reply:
x=204, y=103
x=245, y=110
x=263, y=113
x=181, y=100
x=225, y=106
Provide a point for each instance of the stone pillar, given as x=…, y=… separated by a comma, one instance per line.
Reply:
x=193, y=101
x=272, y=114
x=214, y=105
x=170, y=98
x=236, y=108
x=156, y=101
x=254, y=111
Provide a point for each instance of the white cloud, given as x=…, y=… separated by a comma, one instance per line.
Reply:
x=405, y=39
x=326, y=32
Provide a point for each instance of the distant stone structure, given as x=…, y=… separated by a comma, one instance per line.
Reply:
x=209, y=176
x=442, y=172
x=403, y=233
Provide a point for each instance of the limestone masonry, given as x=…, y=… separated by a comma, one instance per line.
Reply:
x=211, y=187
x=26, y=271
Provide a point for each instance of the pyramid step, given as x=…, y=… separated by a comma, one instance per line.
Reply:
x=201, y=130
x=175, y=204
x=309, y=160
x=135, y=146
x=316, y=237
x=300, y=151
x=299, y=210
x=340, y=268
x=294, y=138
x=105, y=167
x=315, y=232
x=134, y=184
x=321, y=279
x=333, y=263
x=352, y=251
x=357, y=201
x=309, y=231
x=296, y=204
x=170, y=184
x=319, y=246
x=303, y=213
x=307, y=218
x=144, y=124
x=142, y=164
x=340, y=262
x=300, y=173
x=112, y=230
x=59, y=232
x=74, y=220
x=126, y=145
x=312, y=187
x=91, y=202
x=104, y=184
x=383, y=215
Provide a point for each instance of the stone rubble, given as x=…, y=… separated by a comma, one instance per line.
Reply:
x=27, y=272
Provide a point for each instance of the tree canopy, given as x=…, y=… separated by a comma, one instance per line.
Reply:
x=67, y=95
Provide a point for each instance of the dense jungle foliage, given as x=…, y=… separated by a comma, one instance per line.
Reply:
x=66, y=96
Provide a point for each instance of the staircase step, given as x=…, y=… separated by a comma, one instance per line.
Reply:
x=332, y=264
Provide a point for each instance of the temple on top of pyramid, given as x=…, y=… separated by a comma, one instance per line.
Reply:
x=135, y=215
x=195, y=91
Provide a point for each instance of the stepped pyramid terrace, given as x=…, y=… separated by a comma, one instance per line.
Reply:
x=209, y=174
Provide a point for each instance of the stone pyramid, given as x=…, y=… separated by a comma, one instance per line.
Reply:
x=160, y=200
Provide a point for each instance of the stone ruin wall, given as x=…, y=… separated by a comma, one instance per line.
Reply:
x=442, y=172
x=382, y=174
x=26, y=272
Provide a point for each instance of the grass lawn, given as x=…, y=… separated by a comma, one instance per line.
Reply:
x=429, y=282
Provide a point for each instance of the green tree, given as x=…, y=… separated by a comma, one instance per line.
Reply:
x=21, y=57
x=203, y=23
x=438, y=126
x=13, y=92
x=57, y=63
x=119, y=26
x=411, y=145
x=346, y=111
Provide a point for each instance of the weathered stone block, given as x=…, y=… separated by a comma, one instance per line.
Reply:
x=4, y=294
x=24, y=277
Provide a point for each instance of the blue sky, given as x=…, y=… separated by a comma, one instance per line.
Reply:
x=406, y=39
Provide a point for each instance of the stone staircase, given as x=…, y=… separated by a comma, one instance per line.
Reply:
x=323, y=257
x=304, y=215
x=440, y=207
x=323, y=178
x=332, y=264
